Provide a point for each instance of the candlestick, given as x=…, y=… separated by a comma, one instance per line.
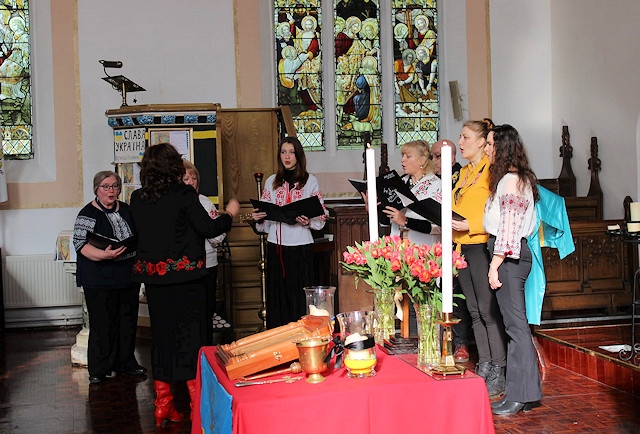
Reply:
x=372, y=197
x=447, y=242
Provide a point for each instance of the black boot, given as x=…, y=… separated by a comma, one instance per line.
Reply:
x=482, y=369
x=495, y=381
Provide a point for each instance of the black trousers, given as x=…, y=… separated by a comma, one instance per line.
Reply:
x=461, y=331
x=211, y=287
x=113, y=322
x=177, y=313
x=523, y=375
x=488, y=328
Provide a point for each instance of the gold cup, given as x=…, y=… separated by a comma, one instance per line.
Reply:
x=312, y=353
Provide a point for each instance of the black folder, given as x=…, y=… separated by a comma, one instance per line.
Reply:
x=309, y=207
x=388, y=186
x=101, y=242
x=430, y=209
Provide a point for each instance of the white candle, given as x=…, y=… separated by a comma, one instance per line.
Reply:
x=447, y=243
x=372, y=197
x=634, y=207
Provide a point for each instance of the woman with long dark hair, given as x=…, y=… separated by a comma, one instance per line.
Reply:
x=172, y=226
x=509, y=218
x=289, y=246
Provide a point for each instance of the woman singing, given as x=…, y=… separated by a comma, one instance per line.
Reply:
x=510, y=217
x=289, y=246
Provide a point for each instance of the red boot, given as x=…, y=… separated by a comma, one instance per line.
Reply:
x=164, y=404
x=191, y=385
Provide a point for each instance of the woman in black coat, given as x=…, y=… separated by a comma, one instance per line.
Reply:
x=171, y=228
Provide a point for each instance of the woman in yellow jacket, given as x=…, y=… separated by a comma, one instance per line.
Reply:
x=469, y=197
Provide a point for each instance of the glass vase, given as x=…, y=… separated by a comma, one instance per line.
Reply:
x=428, y=336
x=384, y=306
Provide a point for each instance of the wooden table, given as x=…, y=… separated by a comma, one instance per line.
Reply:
x=399, y=399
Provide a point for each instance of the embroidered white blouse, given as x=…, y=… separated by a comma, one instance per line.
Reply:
x=510, y=215
x=282, y=233
x=428, y=186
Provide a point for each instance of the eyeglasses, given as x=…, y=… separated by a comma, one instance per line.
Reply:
x=110, y=187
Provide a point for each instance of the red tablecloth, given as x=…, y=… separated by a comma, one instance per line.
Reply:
x=399, y=399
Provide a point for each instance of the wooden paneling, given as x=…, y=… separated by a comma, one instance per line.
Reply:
x=350, y=225
x=597, y=276
x=249, y=145
x=249, y=140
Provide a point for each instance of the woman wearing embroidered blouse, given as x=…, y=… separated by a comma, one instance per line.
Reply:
x=192, y=177
x=419, y=172
x=105, y=276
x=510, y=217
x=469, y=196
x=172, y=226
x=289, y=247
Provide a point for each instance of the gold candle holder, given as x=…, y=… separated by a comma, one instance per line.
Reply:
x=447, y=364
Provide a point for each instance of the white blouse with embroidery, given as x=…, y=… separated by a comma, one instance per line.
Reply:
x=428, y=186
x=510, y=215
x=282, y=233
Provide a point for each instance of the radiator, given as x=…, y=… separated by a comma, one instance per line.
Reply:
x=36, y=281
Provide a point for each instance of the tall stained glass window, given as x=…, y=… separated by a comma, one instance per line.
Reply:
x=297, y=27
x=15, y=79
x=415, y=66
x=357, y=73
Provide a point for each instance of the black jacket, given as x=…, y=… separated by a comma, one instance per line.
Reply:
x=171, y=234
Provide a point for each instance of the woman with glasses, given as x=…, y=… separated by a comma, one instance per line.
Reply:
x=469, y=197
x=104, y=270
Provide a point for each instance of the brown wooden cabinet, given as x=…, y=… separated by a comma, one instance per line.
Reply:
x=350, y=224
x=249, y=140
x=597, y=276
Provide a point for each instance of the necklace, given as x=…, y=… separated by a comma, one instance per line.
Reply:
x=412, y=184
x=459, y=191
x=104, y=208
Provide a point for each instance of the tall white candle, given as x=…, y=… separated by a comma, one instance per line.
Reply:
x=635, y=211
x=447, y=242
x=372, y=197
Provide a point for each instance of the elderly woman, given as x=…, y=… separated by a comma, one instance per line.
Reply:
x=104, y=272
x=172, y=227
x=419, y=174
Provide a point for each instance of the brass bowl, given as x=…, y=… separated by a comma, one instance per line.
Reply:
x=312, y=353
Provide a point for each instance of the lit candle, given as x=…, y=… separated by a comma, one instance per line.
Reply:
x=372, y=197
x=447, y=243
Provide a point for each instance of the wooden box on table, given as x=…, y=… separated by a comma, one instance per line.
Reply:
x=270, y=348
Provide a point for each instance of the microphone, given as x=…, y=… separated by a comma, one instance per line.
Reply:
x=111, y=63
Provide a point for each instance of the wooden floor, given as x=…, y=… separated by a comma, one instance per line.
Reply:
x=40, y=392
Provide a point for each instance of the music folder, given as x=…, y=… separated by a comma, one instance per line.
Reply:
x=101, y=242
x=428, y=208
x=309, y=207
x=388, y=185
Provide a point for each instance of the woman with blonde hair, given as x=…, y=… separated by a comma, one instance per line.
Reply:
x=469, y=197
x=420, y=174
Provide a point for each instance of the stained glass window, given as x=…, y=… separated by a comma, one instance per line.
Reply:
x=357, y=73
x=297, y=27
x=15, y=79
x=415, y=66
